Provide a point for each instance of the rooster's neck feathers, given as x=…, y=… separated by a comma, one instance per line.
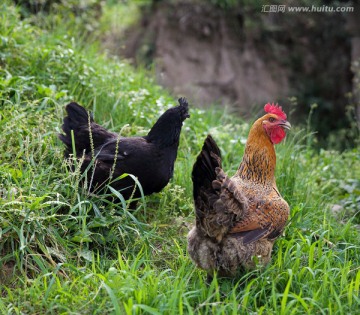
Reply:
x=259, y=160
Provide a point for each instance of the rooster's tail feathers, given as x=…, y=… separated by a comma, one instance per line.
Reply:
x=204, y=169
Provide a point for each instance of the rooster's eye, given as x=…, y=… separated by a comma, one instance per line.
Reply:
x=272, y=119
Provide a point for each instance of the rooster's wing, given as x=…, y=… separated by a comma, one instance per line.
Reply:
x=265, y=218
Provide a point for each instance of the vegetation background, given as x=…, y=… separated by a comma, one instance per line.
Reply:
x=65, y=251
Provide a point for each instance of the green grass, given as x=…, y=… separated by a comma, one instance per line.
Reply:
x=63, y=250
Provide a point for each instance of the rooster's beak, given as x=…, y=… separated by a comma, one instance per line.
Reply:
x=285, y=124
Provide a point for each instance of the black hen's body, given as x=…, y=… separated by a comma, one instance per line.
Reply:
x=150, y=158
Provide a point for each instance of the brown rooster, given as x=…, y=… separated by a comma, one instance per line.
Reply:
x=239, y=218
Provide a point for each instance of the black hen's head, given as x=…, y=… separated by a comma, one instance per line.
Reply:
x=176, y=114
x=183, y=108
x=166, y=130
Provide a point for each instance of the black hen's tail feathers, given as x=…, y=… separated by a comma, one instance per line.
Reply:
x=77, y=116
x=204, y=169
x=79, y=120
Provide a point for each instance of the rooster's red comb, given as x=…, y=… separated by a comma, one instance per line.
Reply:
x=275, y=109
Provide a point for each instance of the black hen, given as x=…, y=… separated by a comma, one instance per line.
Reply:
x=150, y=158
